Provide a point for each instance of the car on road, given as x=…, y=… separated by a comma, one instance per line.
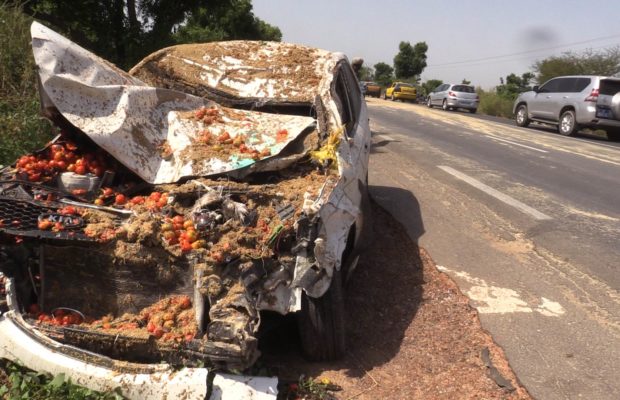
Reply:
x=451, y=96
x=401, y=91
x=372, y=89
x=178, y=204
x=567, y=102
x=608, y=107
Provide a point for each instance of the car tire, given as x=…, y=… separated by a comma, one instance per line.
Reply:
x=429, y=104
x=321, y=323
x=444, y=105
x=613, y=135
x=567, y=125
x=521, y=117
x=472, y=110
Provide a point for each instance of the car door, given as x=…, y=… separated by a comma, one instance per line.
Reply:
x=436, y=94
x=541, y=104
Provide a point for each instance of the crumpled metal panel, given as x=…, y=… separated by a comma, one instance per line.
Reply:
x=144, y=127
x=246, y=69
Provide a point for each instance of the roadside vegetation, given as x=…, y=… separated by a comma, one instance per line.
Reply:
x=19, y=383
x=21, y=128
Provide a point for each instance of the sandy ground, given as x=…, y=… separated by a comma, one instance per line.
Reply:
x=411, y=332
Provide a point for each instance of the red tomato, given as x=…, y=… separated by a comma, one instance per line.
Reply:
x=186, y=245
x=178, y=219
x=80, y=169
x=185, y=303
x=120, y=199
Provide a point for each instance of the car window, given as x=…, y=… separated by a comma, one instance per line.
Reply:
x=406, y=85
x=550, y=86
x=581, y=83
x=565, y=85
x=463, y=88
x=609, y=87
x=349, y=97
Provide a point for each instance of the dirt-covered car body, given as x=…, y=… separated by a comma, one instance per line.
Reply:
x=182, y=199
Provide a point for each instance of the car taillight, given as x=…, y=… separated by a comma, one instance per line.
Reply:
x=451, y=94
x=593, y=96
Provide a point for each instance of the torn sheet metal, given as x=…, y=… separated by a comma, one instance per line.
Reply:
x=154, y=132
x=245, y=69
x=236, y=387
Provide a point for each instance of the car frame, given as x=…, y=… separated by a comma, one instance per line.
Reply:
x=145, y=124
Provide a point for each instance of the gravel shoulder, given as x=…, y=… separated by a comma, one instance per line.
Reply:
x=412, y=333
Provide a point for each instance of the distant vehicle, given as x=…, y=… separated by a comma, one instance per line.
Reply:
x=608, y=107
x=372, y=89
x=400, y=91
x=568, y=102
x=450, y=96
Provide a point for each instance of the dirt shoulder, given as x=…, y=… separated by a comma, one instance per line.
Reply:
x=412, y=333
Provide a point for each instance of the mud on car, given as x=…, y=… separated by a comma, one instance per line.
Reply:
x=177, y=203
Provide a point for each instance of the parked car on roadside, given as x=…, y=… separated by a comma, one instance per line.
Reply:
x=567, y=102
x=608, y=107
x=451, y=96
x=400, y=91
x=372, y=89
x=178, y=203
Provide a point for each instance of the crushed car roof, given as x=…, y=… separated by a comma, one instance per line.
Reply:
x=244, y=68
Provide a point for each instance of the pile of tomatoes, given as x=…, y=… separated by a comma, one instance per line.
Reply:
x=60, y=157
x=171, y=319
x=58, y=317
x=2, y=287
x=178, y=230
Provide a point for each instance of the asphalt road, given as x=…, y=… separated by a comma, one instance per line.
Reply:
x=527, y=222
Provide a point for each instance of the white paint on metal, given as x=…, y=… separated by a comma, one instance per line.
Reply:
x=236, y=387
x=489, y=299
x=496, y=194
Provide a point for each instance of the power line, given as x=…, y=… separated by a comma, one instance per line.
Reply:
x=477, y=63
x=525, y=52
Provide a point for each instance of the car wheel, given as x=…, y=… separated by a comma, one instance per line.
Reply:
x=429, y=104
x=472, y=110
x=613, y=135
x=321, y=323
x=521, y=117
x=568, y=125
x=444, y=105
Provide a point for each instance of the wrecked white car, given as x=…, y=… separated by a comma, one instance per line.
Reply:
x=179, y=201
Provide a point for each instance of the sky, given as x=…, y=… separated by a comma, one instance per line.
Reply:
x=477, y=40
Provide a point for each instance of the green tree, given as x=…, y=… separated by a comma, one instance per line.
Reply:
x=21, y=128
x=232, y=19
x=430, y=85
x=605, y=62
x=124, y=31
x=367, y=73
x=514, y=84
x=384, y=73
x=410, y=60
x=465, y=82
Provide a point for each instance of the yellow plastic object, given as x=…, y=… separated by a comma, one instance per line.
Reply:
x=326, y=155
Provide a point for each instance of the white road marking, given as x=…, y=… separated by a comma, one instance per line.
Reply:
x=497, y=194
x=499, y=300
x=387, y=137
x=516, y=144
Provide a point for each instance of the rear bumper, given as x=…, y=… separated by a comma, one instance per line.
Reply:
x=405, y=96
x=459, y=103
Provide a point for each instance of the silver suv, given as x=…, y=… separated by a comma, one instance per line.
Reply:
x=569, y=102
x=450, y=96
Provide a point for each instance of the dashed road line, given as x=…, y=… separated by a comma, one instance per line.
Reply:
x=497, y=194
x=516, y=144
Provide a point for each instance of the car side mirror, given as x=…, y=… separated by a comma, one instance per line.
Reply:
x=535, y=88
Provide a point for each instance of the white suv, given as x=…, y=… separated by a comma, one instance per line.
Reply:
x=569, y=102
